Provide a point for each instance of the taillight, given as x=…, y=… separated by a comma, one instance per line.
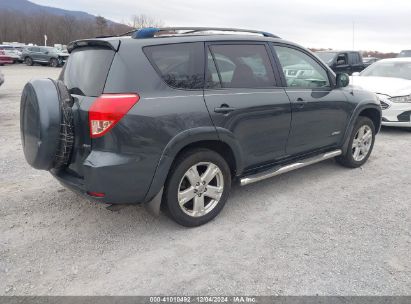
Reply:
x=107, y=110
x=96, y=194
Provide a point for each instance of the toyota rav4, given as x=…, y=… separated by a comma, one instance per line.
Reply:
x=175, y=115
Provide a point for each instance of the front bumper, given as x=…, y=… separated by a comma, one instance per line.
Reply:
x=396, y=114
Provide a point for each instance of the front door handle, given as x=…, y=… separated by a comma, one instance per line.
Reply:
x=300, y=103
x=224, y=109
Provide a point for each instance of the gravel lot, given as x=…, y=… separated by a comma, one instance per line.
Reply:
x=321, y=230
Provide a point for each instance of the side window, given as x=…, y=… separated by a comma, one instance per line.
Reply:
x=354, y=58
x=342, y=59
x=239, y=66
x=359, y=58
x=300, y=70
x=213, y=78
x=180, y=65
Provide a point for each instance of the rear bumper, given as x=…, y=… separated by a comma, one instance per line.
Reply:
x=6, y=60
x=123, y=179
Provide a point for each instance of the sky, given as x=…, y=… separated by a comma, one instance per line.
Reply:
x=374, y=24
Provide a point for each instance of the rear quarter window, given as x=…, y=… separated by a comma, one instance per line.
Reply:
x=86, y=71
x=179, y=65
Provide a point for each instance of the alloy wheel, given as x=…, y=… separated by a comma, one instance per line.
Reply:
x=362, y=143
x=200, y=189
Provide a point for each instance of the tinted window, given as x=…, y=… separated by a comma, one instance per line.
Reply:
x=301, y=70
x=342, y=59
x=352, y=58
x=240, y=66
x=180, y=65
x=34, y=49
x=213, y=78
x=86, y=71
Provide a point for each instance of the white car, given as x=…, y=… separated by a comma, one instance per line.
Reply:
x=390, y=79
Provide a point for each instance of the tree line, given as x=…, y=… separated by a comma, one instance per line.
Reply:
x=375, y=54
x=25, y=28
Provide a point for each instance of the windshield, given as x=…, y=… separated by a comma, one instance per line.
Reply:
x=389, y=69
x=326, y=56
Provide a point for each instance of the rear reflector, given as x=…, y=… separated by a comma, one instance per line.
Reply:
x=107, y=110
x=96, y=194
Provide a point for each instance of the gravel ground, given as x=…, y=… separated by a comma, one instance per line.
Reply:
x=321, y=230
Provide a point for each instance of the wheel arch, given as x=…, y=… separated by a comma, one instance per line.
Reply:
x=202, y=137
x=370, y=110
x=374, y=115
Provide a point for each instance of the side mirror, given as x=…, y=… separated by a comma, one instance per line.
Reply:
x=356, y=74
x=342, y=80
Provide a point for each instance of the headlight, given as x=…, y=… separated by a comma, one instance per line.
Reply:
x=401, y=99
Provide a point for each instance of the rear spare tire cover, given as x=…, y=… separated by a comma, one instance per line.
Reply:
x=40, y=118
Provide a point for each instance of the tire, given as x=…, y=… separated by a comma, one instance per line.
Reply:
x=360, y=145
x=54, y=63
x=46, y=124
x=28, y=61
x=197, y=160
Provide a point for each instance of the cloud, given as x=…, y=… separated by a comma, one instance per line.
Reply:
x=378, y=24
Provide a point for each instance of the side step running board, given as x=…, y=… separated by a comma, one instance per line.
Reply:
x=281, y=170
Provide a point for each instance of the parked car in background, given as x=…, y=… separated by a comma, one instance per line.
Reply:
x=390, y=79
x=5, y=59
x=44, y=55
x=1, y=78
x=342, y=61
x=404, y=53
x=170, y=115
x=12, y=52
x=369, y=60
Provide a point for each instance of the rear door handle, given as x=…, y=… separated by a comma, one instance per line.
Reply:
x=224, y=109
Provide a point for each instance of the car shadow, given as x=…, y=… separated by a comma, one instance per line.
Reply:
x=395, y=130
x=138, y=217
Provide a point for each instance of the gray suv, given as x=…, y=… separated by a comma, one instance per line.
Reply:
x=44, y=55
x=171, y=117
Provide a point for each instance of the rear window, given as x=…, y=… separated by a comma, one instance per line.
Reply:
x=86, y=71
x=180, y=65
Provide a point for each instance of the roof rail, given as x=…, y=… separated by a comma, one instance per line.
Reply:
x=150, y=32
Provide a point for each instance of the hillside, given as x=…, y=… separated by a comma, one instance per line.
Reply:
x=28, y=7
